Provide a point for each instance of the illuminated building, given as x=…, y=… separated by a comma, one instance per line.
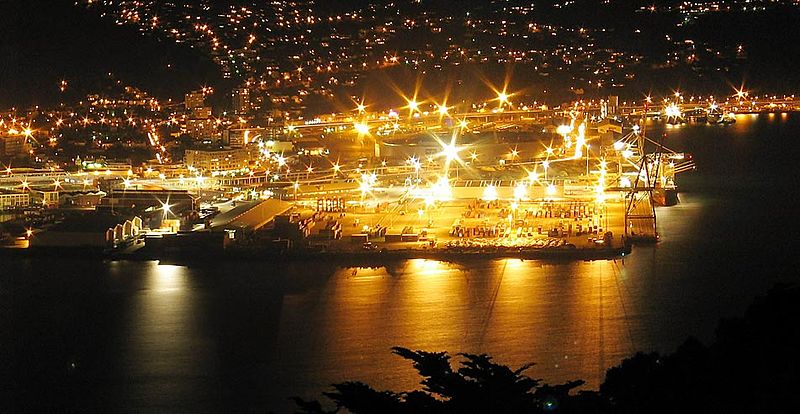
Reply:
x=220, y=160
x=14, y=146
x=195, y=99
x=201, y=129
x=10, y=200
x=240, y=101
x=141, y=200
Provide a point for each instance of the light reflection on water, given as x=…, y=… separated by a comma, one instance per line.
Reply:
x=164, y=342
x=246, y=336
x=568, y=318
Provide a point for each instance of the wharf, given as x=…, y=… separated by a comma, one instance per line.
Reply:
x=343, y=258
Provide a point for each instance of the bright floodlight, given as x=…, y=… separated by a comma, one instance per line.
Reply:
x=450, y=151
x=366, y=183
x=520, y=192
x=443, y=110
x=672, y=111
x=502, y=97
x=361, y=107
x=412, y=105
x=441, y=190
x=563, y=129
x=490, y=193
x=362, y=129
x=165, y=207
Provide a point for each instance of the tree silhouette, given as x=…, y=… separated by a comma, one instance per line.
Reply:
x=752, y=367
x=478, y=385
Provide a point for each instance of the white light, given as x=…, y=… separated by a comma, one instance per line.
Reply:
x=362, y=129
x=672, y=111
x=520, y=192
x=490, y=193
x=450, y=151
x=563, y=129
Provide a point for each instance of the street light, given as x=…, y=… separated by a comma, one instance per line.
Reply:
x=502, y=98
x=361, y=128
x=165, y=208
x=533, y=177
x=490, y=193
x=413, y=106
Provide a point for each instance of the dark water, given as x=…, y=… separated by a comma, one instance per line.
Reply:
x=147, y=337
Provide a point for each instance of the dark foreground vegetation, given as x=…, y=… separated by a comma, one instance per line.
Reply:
x=753, y=366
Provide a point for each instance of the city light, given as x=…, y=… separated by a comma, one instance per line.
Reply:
x=502, y=97
x=412, y=105
x=672, y=111
x=489, y=193
x=166, y=209
x=521, y=192
x=361, y=128
x=511, y=159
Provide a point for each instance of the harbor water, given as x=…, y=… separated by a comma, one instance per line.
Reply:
x=103, y=336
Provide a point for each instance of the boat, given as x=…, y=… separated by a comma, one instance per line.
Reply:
x=665, y=197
